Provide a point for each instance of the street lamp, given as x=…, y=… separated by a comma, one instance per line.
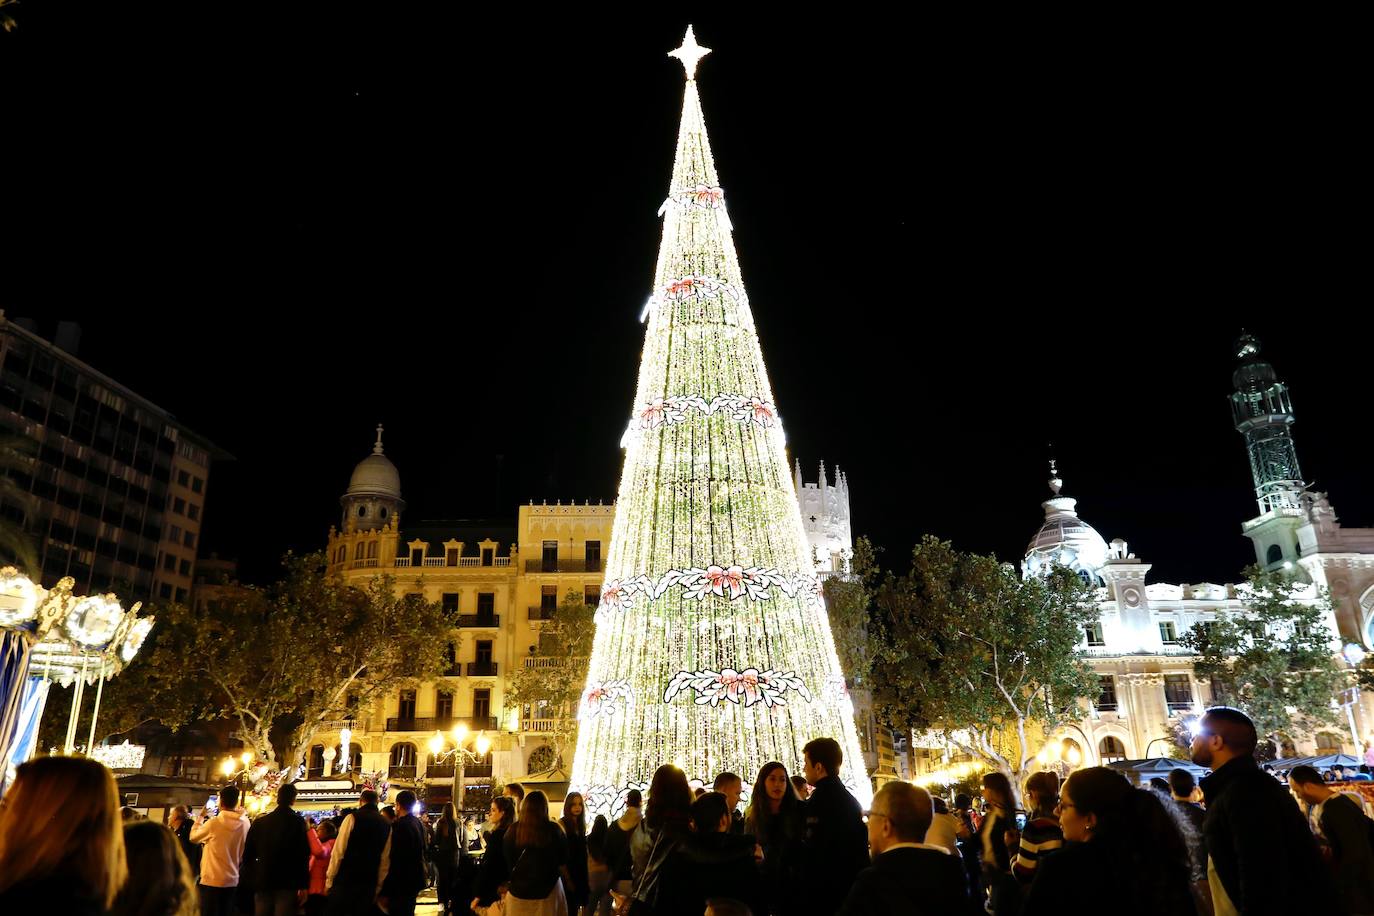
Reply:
x=460, y=756
x=228, y=767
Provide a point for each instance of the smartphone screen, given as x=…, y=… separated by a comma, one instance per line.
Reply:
x=212, y=805
x=1020, y=822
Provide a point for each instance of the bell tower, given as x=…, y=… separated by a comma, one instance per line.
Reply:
x=1263, y=414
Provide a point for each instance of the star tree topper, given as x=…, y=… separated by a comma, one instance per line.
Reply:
x=690, y=53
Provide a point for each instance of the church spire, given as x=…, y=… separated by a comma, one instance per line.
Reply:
x=1263, y=414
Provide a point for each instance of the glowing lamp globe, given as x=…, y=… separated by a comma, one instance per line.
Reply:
x=93, y=621
x=19, y=598
x=483, y=745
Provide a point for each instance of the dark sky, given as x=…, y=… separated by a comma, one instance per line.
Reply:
x=959, y=246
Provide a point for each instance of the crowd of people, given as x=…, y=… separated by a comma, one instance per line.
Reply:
x=1240, y=842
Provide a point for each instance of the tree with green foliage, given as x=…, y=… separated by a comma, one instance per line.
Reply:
x=848, y=599
x=1274, y=661
x=964, y=646
x=554, y=675
x=281, y=661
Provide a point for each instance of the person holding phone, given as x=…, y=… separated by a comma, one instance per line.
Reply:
x=1038, y=834
x=224, y=834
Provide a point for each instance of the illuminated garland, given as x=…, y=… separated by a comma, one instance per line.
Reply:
x=673, y=410
x=600, y=700
x=687, y=289
x=743, y=688
x=733, y=582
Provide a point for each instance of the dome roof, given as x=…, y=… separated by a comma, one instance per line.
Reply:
x=1065, y=540
x=375, y=475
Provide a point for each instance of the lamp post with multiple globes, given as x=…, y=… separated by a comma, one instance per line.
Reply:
x=460, y=755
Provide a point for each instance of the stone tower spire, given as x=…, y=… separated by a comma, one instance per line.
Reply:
x=1263, y=414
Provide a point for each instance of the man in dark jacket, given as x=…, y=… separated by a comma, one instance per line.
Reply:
x=907, y=877
x=276, y=858
x=403, y=866
x=834, y=843
x=355, y=864
x=1261, y=855
x=1345, y=833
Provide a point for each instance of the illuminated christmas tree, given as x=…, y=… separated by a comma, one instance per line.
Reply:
x=712, y=650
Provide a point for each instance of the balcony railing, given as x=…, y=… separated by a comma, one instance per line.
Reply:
x=439, y=771
x=539, y=725
x=400, y=772
x=543, y=661
x=363, y=564
x=463, y=562
x=481, y=669
x=562, y=566
x=479, y=620
x=478, y=770
x=440, y=723
x=542, y=613
x=1179, y=706
x=1106, y=707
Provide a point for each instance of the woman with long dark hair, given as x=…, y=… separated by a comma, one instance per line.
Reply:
x=494, y=871
x=538, y=855
x=776, y=820
x=160, y=880
x=61, y=839
x=574, y=823
x=448, y=837
x=1123, y=846
x=598, y=869
x=667, y=821
x=999, y=825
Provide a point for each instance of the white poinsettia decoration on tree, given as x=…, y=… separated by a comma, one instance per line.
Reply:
x=603, y=699
x=744, y=688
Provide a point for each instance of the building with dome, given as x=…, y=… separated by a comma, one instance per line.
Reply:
x=1146, y=678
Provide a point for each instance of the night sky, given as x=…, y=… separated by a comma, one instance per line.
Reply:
x=958, y=246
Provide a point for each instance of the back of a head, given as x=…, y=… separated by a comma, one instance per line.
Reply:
x=998, y=782
x=1306, y=775
x=405, y=802
x=87, y=850
x=963, y=802
x=229, y=798
x=516, y=791
x=707, y=812
x=907, y=808
x=1045, y=785
x=938, y=803
x=727, y=906
x=1160, y=784
x=725, y=780
x=368, y=797
x=286, y=794
x=327, y=831
x=1234, y=727
x=1142, y=833
x=532, y=826
x=160, y=879
x=633, y=799
x=670, y=799
x=825, y=752
x=1181, y=782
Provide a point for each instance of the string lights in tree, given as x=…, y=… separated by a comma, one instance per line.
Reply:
x=713, y=648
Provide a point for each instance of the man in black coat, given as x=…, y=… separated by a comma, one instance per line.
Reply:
x=834, y=843
x=403, y=873
x=276, y=858
x=1261, y=854
x=1344, y=832
x=907, y=877
x=355, y=864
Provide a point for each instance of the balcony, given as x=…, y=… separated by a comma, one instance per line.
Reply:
x=479, y=620
x=439, y=771
x=481, y=669
x=540, y=725
x=562, y=566
x=1179, y=707
x=463, y=562
x=543, y=661
x=440, y=723
x=398, y=773
x=541, y=613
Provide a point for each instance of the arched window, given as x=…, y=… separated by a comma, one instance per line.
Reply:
x=1274, y=554
x=1111, y=749
x=314, y=764
x=403, y=758
x=372, y=550
x=383, y=512
x=358, y=551
x=362, y=511
x=355, y=757
x=343, y=553
x=1328, y=743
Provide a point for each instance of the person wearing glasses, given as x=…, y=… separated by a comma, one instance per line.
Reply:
x=1123, y=846
x=908, y=877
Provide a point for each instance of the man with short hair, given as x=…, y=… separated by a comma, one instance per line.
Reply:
x=276, y=858
x=1261, y=858
x=711, y=863
x=834, y=844
x=223, y=836
x=732, y=787
x=1344, y=832
x=403, y=866
x=516, y=791
x=908, y=877
x=1181, y=788
x=363, y=843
